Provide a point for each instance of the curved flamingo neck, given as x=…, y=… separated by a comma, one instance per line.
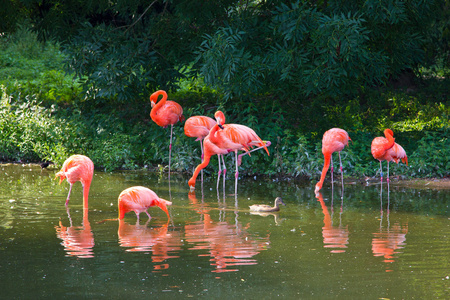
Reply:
x=201, y=166
x=160, y=103
x=389, y=136
x=326, y=165
x=212, y=134
x=86, y=188
x=122, y=210
x=163, y=206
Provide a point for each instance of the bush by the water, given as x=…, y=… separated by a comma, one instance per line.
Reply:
x=44, y=116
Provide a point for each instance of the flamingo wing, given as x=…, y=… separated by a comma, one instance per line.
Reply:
x=198, y=126
x=334, y=140
x=168, y=114
x=397, y=153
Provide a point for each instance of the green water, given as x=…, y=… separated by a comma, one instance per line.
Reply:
x=365, y=246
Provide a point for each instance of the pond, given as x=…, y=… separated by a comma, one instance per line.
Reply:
x=375, y=241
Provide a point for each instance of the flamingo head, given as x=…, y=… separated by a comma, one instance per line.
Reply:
x=191, y=183
x=61, y=176
x=155, y=95
x=162, y=203
x=220, y=118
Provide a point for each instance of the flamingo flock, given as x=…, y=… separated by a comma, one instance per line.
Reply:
x=216, y=138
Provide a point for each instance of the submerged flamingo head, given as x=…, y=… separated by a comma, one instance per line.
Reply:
x=191, y=183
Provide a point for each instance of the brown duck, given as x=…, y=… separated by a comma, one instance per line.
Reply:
x=268, y=208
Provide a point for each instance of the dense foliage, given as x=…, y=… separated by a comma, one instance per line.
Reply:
x=123, y=50
x=288, y=69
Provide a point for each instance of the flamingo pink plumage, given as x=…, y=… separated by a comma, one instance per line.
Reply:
x=385, y=148
x=164, y=113
x=230, y=137
x=209, y=149
x=333, y=140
x=139, y=199
x=198, y=127
x=77, y=168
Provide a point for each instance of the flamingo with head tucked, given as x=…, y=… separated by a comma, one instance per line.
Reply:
x=385, y=148
x=333, y=140
x=77, y=168
x=164, y=113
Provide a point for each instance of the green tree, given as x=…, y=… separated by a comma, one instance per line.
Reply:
x=123, y=50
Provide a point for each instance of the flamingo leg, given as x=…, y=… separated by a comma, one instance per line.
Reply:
x=224, y=172
x=68, y=195
x=236, y=175
x=201, y=159
x=170, y=145
x=137, y=216
x=224, y=167
x=220, y=171
x=332, y=169
x=149, y=217
x=387, y=179
x=268, y=143
x=342, y=173
x=381, y=172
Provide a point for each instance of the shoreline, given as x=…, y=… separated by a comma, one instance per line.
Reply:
x=435, y=183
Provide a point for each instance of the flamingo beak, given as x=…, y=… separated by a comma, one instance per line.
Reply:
x=220, y=126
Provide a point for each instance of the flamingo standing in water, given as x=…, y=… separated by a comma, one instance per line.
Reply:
x=140, y=199
x=77, y=168
x=165, y=113
x=198, y=127
x=333, y=140
x=209, y=149
x=387, y=149
x=230, y=137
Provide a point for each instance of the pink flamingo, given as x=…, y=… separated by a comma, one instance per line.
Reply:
x=209, y=149
x=333, y=140
x=77, y=168
x=139, y=199
x=387, y=149
x=165, y=113
x=199, y=127
x=231, y=137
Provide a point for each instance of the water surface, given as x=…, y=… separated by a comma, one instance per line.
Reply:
x=371, y=243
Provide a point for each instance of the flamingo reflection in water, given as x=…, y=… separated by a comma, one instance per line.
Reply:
x=333, y=236
x=78, y=241
x=388, y=240
x=228, y=245
x=158, y=240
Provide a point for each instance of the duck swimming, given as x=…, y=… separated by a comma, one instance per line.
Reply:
x=268, y=208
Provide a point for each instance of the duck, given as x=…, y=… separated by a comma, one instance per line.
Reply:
x=268, y=208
